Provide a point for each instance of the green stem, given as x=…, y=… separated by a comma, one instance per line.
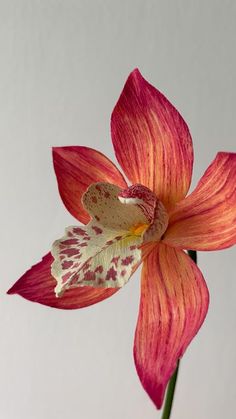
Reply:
x=170, y=394
x=172, y=383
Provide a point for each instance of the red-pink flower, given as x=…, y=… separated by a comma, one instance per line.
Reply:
x=151, y=222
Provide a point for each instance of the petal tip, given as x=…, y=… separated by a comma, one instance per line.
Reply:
x=135, y=79
x=57, y=152
x=10, y=291
x=226, y=154
x=56, y=149
x=37, y=285
x=136, y=73
x=156, y=394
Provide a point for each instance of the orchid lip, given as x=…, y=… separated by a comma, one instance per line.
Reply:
x=105, y=252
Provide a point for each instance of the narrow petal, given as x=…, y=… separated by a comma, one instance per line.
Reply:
x=76, y=168
x=174, y=303
x=151, y=140
x=37, y=285
x=206, y=219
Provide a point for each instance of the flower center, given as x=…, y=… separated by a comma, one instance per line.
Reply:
x=138, y=229
x=151, y=207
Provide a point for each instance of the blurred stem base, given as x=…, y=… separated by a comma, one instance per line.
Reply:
x=172, y=383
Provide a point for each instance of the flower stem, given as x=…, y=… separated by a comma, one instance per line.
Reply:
x=170, y=394
x=172, y=383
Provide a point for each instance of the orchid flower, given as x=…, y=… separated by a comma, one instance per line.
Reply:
x=148, y=221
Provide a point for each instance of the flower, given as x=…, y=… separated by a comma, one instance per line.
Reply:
x=151, y=221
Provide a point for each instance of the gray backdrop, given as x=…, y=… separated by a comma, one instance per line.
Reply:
x=62, y=67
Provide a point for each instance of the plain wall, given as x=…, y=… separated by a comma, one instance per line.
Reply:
x=62, y=67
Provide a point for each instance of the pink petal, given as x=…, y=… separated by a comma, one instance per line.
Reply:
x=206, y=219
x=151, y=140
x=37, y=285
x=76, y=168
x=174, y=303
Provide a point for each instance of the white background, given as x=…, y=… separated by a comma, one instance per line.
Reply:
x=62, y=67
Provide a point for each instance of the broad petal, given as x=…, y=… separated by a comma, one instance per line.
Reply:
x=151, y=140
x=206, y=219
x=76, y=168
x=37, y=285
x=174, y=303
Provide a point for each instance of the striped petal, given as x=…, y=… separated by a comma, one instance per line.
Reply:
x=174, y=303
x=206, y=219
x=151, y=140
x=76, y=168
x=37, y=285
